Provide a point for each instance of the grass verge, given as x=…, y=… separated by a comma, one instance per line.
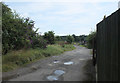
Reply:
x=82, y=46
x=15, y=59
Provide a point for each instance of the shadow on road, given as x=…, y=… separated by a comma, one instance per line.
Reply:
x=89, y=71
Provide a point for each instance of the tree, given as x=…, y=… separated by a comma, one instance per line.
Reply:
x=76, y=38
x=49, y=36
x=90, y=38
x=70, y=39
x=83, y=39
x=17, y=32
x=57, y=38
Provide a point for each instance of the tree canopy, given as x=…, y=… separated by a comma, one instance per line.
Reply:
x=90, y=38
x=49, y=36
x=17, y=32
x=70, y=39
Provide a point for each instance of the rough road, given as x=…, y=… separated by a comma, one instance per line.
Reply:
x=70, y=66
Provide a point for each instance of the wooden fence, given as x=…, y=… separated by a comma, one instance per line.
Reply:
x=108, y=48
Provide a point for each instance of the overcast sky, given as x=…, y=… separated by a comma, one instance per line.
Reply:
x=65, y=16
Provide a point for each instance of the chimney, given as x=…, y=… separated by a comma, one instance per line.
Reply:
x=118, y=4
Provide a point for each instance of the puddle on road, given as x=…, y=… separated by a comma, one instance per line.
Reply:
x=68, y=63
x=55, y=75
x=52, y=78
x=56, y=61
x=81, y=59
x=59, y=72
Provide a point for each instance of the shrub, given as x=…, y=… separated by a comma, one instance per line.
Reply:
x=17, y=32
x=39, y=42
x=70, y=39
x=49, y=36
x=90, y=38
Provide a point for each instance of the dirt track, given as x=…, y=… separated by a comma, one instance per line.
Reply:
x=73, y=65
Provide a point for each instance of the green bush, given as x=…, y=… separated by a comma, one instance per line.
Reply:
x=49, y=36
x=18, y=32
x=90, y=38
x=70, y=39
x=39, y=42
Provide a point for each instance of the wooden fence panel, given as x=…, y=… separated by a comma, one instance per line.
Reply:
x=108, y=46
x=118, y=50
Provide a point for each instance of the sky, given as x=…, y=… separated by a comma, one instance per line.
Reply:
x=64, y=17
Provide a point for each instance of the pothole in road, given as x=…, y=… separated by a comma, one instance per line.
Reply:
x=68, y=63
x=56, y=75
x=33, y=68
x=56, y=61
x=59, y=72
x=52, y=78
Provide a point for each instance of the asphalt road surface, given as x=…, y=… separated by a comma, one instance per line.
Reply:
x=73, y=65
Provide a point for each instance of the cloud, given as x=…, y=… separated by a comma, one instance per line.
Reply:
x=65, y=18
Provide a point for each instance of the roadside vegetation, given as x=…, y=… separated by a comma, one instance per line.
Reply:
x=90, y=38
x=15, y=59
x=82, y=45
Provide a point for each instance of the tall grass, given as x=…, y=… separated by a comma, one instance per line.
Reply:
x=19, y=58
